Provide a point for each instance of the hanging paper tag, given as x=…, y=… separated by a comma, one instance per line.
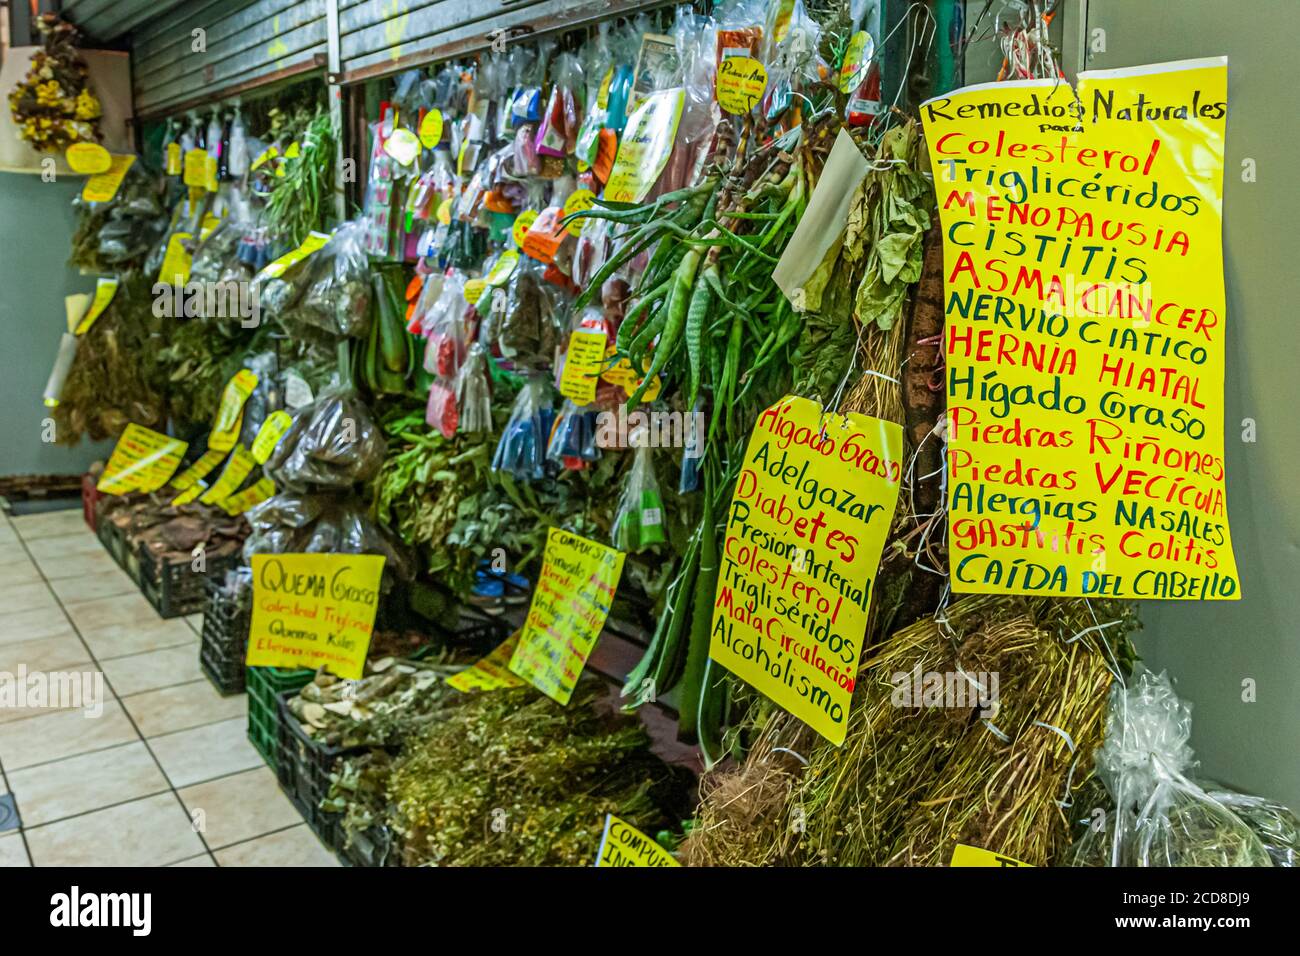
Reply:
x=403, y=146
x=176, y=262
x=196, y=169
x=645, y=147
x=237, y=504
x=280, y=266
x=545, y=235
x=504, y=268
x=269, y=435
x=105, y=289
x=580, y=200
x=265, y=156
x=191, y=476
x=142, y=460
x=232, y=476
x=741, y=82
x=87, y=158
x=490, y=673
x=523, y=222
x=103, y=187
x=431, y=129
x=225, y=429
x=583, y=361
x=624, y=845
x=474, y=290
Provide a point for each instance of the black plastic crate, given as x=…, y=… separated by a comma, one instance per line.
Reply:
x=304, y=767
x=174, y=588
x=225, y=638
x=113, y=539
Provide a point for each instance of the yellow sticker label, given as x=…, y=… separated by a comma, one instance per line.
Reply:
x=403, y=146
x=806, y=528
x=1085, y=445
x=279, y=267
x=575, y=588
x=177, y=260
x=292, y=151
x=460, y=158
x=105, y=289
x=190, y=494
x=237, y=504
x=580, y=200
x=741, y=82
x=225, y=428
x=238, y=467
x=503, y=269
x=210, y=222
x=196, y=169
x=857, y=60
x=314, y=610
x=264, y=157
x=172, y=164
x=188, y=479
x=583, y=360
x=444, y=212
x=624, y=845
x=104, y=186
x=963, y=855
x=522, y=223
x=269, y=435
x=474, y=290
x=87, y=158
x=431, y=129
x=490, y=673
x=210, y=174
x=142, y=460
x=602, y=95
x=645, y=147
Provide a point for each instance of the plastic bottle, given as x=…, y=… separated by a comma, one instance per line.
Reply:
x=237, y=161
x=213, y=138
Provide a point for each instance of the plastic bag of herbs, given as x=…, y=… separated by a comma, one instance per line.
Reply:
x=511, y=778
x=1159, y=816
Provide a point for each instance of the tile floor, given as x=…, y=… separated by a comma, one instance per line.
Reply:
x=165, y=775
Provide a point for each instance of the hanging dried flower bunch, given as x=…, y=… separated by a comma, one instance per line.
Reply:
x=53, y=106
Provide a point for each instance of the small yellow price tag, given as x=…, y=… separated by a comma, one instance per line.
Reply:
x=88, y=158
x=431, y=129
x=105, y=289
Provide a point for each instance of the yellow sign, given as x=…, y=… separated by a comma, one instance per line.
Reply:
x=805, y=531
x=1083, y=269
x=580, y=200
x=177, y=260
x=314, y=610
x=142, y=460
x=582, y=364
x=624, y=845
x=741, y=82
x=279, y=267
x=105, y=289
x=196, y=169
x=237, y=504
x=474, y=290
x=238, y=466
x=647, y=142
x=104, y=186
x=574, y=591
x=492, y=672
x=88, y=158
x=225, y=429
x=431, y=129
x=521, y=225
x=269, y=435
x=189, y=478
x=963, y=855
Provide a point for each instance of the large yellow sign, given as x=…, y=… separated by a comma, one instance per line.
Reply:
x=314, y=610
x=574, y=591
x=1084, y=333
x=624, y=845
x=805, y=532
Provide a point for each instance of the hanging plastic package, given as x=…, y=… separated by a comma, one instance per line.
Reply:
x=474, y=392
x=443, y=330
x=332, y=443
x=237, y=162
x=521, y=452
x=573, y=438
x=1161, y=817
x=441, y=411
x=639, y=521
x=557, y=134
x=337, y=298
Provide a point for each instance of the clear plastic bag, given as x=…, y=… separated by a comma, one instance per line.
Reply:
x=1161, y=817
x=443, y=329
x=522, y=449
x=337, y=298
x=639, y=522
x=442, y=412
x=332, y=443
x=572, y=441
x=1275, y=825
x=533, y=322
x=557, y=133
x=474, y=392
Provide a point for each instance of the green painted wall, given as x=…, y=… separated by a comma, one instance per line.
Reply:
x=36, y=226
